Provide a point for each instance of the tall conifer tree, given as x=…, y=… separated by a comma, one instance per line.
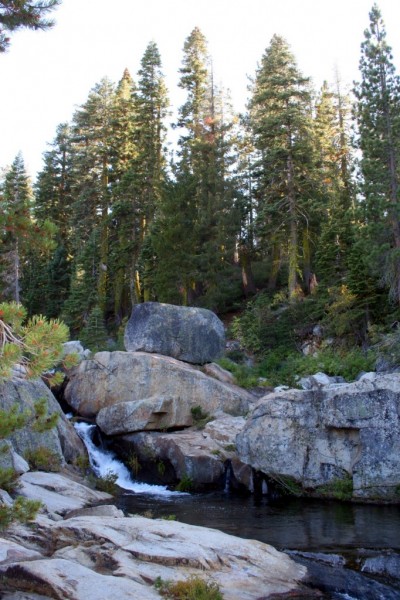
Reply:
x=378, y=118
x=280, y=117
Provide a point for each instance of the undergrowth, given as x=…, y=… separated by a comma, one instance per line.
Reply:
x=194, y=588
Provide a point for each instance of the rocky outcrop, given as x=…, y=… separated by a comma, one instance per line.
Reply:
x=190, y=334
x=203, y=456
x=134, y=391
x=63, y=441
x=339, y=440
x=98, y=557
x=97, y=553
x=58, y=493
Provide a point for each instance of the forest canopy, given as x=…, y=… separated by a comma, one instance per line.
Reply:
x=296, y=200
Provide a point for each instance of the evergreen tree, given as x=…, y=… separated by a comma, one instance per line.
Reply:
x=19, y=14
x=53, y=188
x=281, y=121
x=336, y=188
x=93, y=175
x=378, y=119
x=20, y=234
x=94, y=334
x=140, y=188
x=46, y=282
x=198, y=205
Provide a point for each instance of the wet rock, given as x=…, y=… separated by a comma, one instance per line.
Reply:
x=199, y=455
x=387, y=565
x=190, y=334
x=343, y=581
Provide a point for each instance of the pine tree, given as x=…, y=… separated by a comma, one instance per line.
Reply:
x=19, y=14
x=94, y=334
x=93, y=175
x=20, y=234
x=141, y=186
x=336, y=188
x=378, y=119
x=280, y=117
x=53, y=188
x=197, y=206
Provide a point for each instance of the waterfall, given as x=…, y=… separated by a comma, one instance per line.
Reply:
x=104, y=462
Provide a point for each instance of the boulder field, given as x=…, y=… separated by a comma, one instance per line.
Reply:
x=334, y=439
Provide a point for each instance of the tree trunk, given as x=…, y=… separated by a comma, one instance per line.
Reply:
x=249, y=286
x=292, y=250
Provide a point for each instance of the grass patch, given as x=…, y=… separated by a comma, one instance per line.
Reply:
x=339, y=488
x=194, y=588
x=43, y=459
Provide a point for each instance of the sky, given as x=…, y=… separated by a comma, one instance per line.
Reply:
x=45, y=76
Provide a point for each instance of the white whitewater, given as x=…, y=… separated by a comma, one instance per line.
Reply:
x=104, y=462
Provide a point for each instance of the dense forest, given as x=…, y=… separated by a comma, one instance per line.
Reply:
x=288, y=213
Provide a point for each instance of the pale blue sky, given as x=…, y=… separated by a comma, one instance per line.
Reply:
x=44, y=76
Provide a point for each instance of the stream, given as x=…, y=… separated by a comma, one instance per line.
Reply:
x=337, y=533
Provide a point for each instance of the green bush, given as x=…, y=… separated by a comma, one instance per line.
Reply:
x=43, y=459
x=8, y=480
x=185, y=484
x=194, y=588
x=200, y=417
x=106, y=483
x=23, y=510
x=339, y=488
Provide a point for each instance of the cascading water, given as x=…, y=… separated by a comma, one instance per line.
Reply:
x=104, y=462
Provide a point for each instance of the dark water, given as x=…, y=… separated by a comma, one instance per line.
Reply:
x=291, y=524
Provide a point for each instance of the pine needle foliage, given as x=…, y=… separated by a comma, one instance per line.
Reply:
x=32, y=346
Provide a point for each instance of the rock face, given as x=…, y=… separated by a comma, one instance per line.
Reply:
x=194, y=335
x=134, y=391
x=317, y=437
x=62, y=440
x=202, y=456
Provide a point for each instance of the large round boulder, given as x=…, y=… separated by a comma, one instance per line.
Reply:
x=193, y=335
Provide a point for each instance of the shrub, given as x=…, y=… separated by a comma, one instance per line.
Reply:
x=82, y=463
x=23, y=510
x=194, y=588
x=43, y=459
x=106, y=483
x=339, y=488
x=185, y=484
x=134, y=464
x=199, y=417
x=8, y=480
x=36, y=345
